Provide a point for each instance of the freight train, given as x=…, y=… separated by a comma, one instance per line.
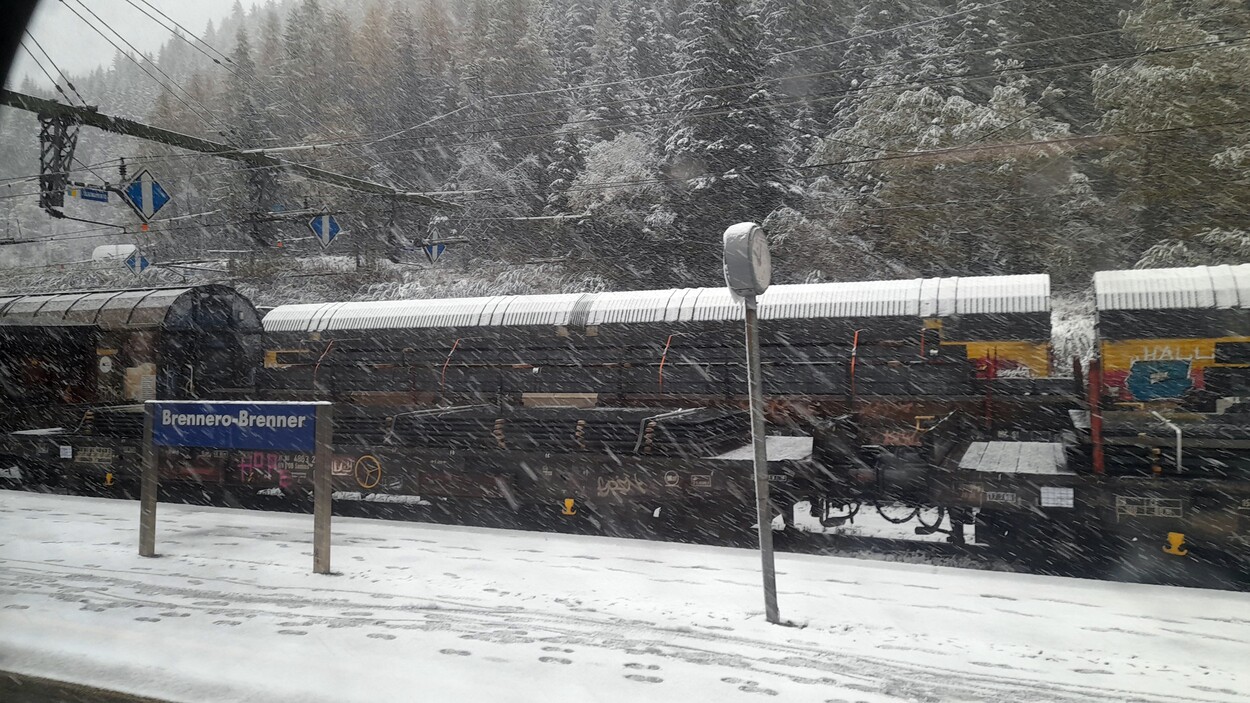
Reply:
x=916, y=397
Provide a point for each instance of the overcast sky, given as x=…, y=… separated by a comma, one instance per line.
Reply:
x=77, y=48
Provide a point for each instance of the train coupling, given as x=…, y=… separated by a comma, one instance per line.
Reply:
x=1176, y=544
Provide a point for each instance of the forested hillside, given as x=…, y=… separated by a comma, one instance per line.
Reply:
x=609, y=143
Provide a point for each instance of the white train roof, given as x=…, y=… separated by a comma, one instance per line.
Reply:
x=1160, y=289
x=916, y=297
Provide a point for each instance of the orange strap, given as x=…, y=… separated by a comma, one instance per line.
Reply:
x=317, y=366
x=663, y=358
x=442, y=383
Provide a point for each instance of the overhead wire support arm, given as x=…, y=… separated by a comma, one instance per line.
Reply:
x=120, y=125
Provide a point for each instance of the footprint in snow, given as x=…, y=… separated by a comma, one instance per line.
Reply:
x=454, y=652
x=17, y=607
x=230, y=623
x=172, y=614
x=644, y=679
x=752, y=687
x=292, y=632
x=145, y=619
x=555, y=660
x=636, y=665
x=380, y=636
x=557, y=649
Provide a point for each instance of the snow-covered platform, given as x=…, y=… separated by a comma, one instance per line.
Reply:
x=231, y=612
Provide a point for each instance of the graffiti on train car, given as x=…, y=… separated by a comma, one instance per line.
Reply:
x=1159, y=369
x=1157, y=380
x=620, y=486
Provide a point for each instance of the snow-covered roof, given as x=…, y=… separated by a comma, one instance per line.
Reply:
x=115, y=309
x=1157, y=289
x=918, y=297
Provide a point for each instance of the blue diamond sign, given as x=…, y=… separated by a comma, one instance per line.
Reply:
x=145, y=195
x=137, y=263
x=325, y=228
x=434, y=251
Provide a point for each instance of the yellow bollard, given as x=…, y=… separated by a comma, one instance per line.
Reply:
x=1176, y=544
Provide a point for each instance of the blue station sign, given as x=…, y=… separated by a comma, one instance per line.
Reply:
x=290, y=427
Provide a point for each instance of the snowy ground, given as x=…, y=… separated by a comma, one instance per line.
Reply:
x=434, y=613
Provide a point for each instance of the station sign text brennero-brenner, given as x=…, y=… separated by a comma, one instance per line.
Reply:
x=224, y=425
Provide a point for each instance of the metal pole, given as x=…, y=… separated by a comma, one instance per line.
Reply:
x=148, y=486
x=763, y=509
x=322, y=489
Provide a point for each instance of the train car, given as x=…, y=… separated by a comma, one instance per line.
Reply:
x=898, y=356
x=833, y=342
x=1158, y=455
x=1174, y=338
x=77, y=364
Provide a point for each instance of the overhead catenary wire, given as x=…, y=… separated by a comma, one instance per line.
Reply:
x=59, y=72
x=895, y=62
x=300, y=112
x=1130, y=57
x=204, y=114
x=940, y=55
x=918, y=154
x=587, y=86
x=372, y=137
x=866, y=89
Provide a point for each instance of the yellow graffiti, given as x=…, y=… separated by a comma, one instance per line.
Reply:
x=368, y=471
x=568, y=507
x=1176, y=544
x=1033, y=356
x=1121, y=355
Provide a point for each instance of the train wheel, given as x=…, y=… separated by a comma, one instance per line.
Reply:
x=930, y=518
x=897, y=513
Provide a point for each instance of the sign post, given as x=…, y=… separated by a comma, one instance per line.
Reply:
x=322, y=490
x=258, y=426
x=748, y=269
x=147, y=488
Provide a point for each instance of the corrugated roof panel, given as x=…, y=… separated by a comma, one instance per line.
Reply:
x=151, y=309
x=110, y=309
x=947, y=296
x=290, y=318
x=913, y=297
x=714, y=304
x=87, y=308
x=861, y=299
x=1173, y=288
x=1241, y=275
x=1224, y=287
x=988, y=295
x=929, y=297
x=537, y=310
x=632, y=306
